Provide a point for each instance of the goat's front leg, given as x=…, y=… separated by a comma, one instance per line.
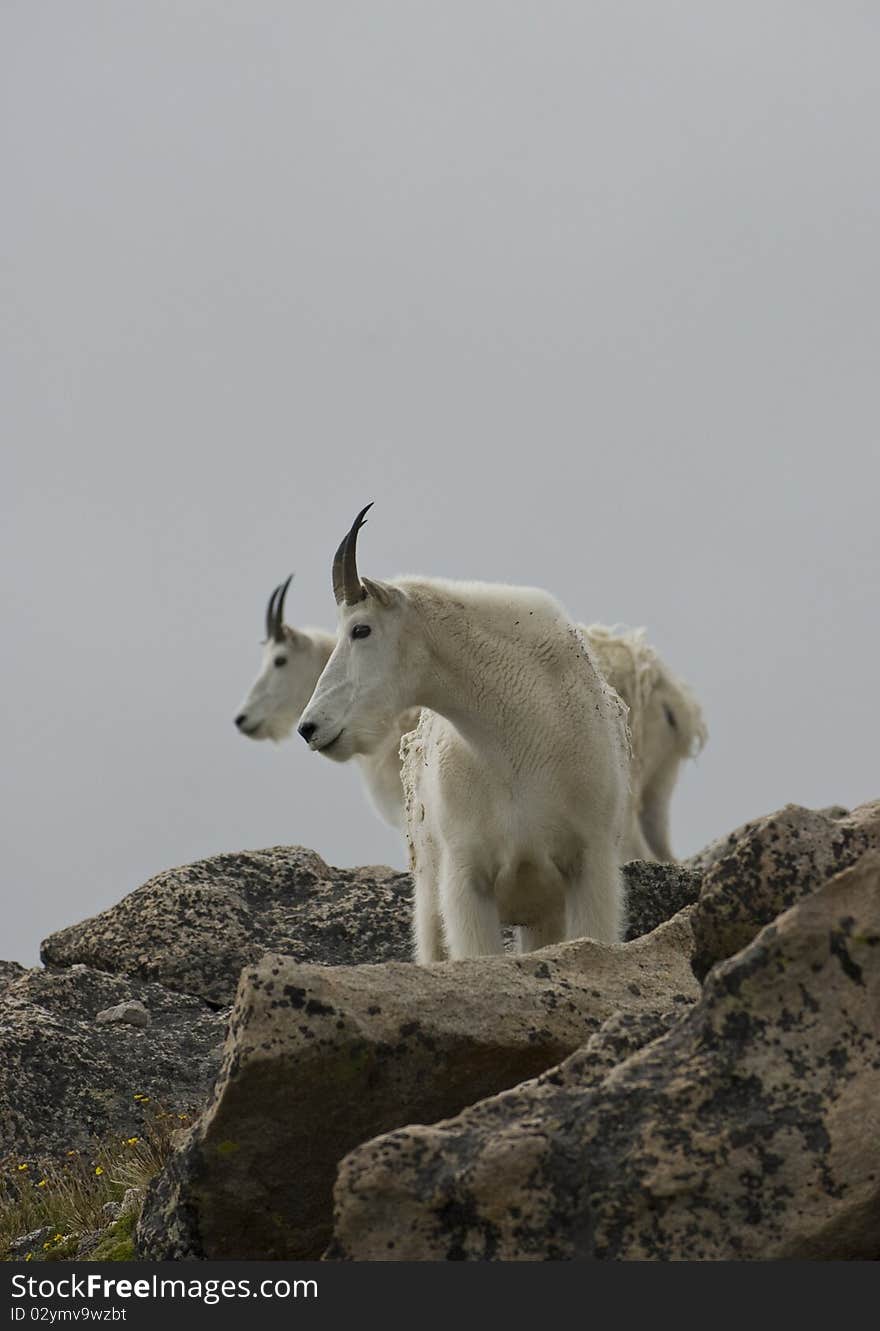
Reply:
x=429, y=942
x=470, y=916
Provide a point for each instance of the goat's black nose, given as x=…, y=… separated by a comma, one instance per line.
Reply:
x=240, y=719
x=307, y=730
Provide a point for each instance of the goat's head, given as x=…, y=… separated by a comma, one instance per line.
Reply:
x=288, y=671
x=366, y=683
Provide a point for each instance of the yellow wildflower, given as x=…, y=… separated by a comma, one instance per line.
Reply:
x=43, y=1183
x=99, y=1169
x=132, y=1141
x=23, y=1167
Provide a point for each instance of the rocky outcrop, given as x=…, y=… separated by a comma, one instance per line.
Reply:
x=321, y=1059
x=65, y=1078
x=743, y=1132
x=193, y=929
x=580, y=1102
x=771, y=864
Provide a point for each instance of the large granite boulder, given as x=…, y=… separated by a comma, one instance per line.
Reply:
x=320, y=1059
x=66, y=1077
x=742, y=1132
x=771, y=864
x=194, y=929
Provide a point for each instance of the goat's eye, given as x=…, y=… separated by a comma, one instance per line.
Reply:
x=281, y=660
x=361, y=631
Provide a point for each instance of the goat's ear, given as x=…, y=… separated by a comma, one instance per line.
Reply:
x=383, y=593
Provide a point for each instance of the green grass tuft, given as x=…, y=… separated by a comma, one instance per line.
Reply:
x=66, y=1197
x=117, y=1244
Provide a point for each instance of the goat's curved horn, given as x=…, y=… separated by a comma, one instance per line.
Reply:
x=279, y=609
x=275, y=611
x=347, y=586
x=270, y=615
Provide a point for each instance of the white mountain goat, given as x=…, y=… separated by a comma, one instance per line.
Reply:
x=517, y=787
x=292, y=663
x=665, y=722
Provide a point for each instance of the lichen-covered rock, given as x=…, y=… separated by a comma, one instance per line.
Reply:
x=656, y=892
x=9, y=971
x=771, y=864
x=723, y=845
x=64, y=1079
x=320, y=1059
x=746, y=1131
x=195, y=928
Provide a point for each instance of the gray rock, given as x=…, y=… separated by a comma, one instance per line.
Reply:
x=193, y=929
x=131, y=1013
x=65, y=1080
x=18, y=1248
x=742, y=1133
x=9, y=971
x=773, y=863
x=656, y=892
x=319, y=1059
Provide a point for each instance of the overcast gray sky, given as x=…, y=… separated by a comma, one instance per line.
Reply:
x=585, y=295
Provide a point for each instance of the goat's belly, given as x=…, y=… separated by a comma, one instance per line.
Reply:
x=528, y=893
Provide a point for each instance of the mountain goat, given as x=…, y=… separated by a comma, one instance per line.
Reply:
x=292, y=663
x=665, y=722
x=666, y=727
x=517, y=789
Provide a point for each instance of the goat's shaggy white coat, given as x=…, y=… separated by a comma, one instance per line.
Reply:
x=516, y=779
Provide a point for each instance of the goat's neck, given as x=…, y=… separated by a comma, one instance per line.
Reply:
x=469, y=677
